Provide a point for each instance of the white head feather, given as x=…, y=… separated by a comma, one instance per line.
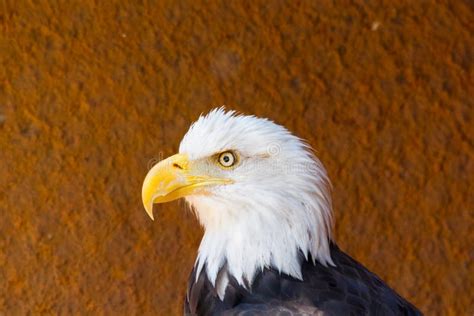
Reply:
x=278, y=205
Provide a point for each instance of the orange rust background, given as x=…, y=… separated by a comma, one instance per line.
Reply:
x=92, y=91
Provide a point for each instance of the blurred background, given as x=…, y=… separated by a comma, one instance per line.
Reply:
x=92, y=91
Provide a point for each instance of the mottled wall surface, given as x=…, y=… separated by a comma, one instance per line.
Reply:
x=92, y=91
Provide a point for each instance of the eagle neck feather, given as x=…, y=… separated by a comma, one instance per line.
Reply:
x=265, y=232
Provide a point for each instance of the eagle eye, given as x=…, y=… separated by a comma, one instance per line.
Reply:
x=227, y=159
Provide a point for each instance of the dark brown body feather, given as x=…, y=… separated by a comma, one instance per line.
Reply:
x=346, y=289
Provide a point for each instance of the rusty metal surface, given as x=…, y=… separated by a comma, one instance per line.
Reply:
x=91, y=92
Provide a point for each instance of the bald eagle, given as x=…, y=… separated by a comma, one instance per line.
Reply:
x=264, y=202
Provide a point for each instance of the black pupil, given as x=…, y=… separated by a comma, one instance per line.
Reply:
x=226, y=158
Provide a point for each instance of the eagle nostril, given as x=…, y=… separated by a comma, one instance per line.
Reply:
x=175, y=165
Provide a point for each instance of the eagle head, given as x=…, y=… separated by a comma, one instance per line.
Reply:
x=259, y=191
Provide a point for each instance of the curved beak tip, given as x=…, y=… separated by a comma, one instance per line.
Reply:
x=149, y=211
x=151, y=216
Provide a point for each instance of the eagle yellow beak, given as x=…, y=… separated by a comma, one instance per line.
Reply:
x=173, y=178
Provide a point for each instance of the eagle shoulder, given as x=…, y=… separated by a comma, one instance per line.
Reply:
x=346, y=289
